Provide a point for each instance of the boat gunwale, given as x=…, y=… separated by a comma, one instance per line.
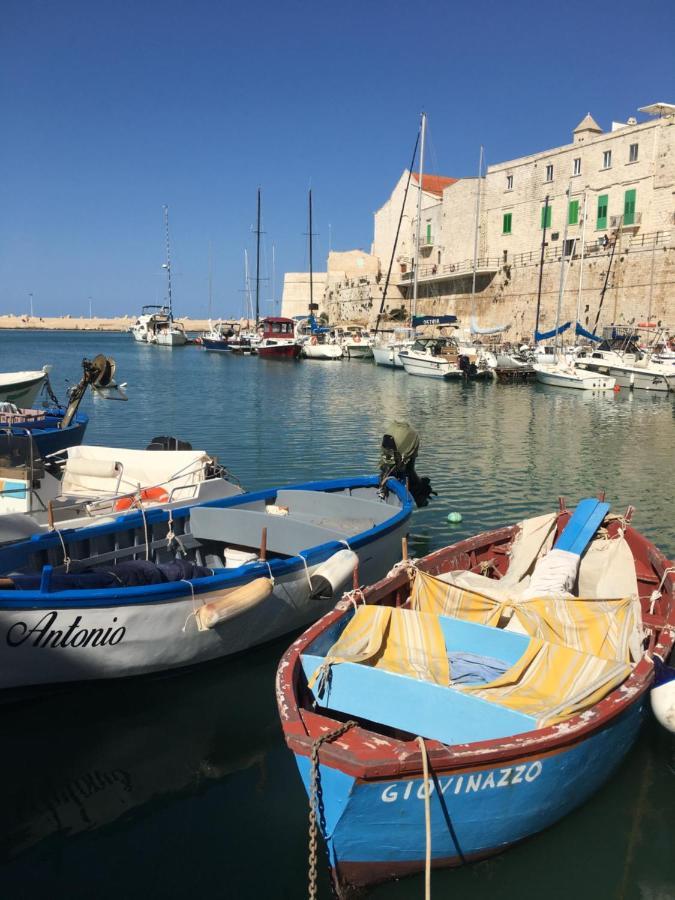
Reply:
x=171, y=592
x=358, y=755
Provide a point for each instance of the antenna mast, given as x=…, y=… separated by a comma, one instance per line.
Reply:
x=311, y=273
x=419, y=215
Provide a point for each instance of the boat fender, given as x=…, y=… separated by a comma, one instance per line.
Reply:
x=330, y=577
x=314, y=341
x=357, y=338
x=233, y=602
x=662, y=696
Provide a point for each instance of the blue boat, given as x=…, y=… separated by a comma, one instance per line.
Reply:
x=46, y=428
x=161, y=589
x=461, y=707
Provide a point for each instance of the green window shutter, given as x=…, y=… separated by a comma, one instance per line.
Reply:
x=546, y=216
x=603, y=200
x=573, y=213
x=506, y=227
x=428, y=232
x=629, y=207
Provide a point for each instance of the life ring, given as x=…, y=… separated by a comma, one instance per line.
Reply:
x=314, y=340
x=158, y=494
x=357, y=338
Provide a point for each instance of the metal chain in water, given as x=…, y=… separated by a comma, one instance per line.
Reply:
x=316, y=803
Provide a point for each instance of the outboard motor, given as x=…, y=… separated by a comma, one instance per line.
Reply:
x=400, y=445
x=165, y=442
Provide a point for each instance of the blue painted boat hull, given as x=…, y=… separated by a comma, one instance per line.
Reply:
x=49, y=437
x=219, y=346
x=375, y=830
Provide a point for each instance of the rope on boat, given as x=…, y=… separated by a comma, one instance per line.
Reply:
x=316, y=808
x=66, y=558
x=427, y=818
x=655, y=596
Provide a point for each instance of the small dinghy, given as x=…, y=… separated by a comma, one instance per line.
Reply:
x=476, y=696
x=159, y=589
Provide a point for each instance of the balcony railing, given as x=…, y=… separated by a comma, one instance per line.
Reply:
x=452, y=270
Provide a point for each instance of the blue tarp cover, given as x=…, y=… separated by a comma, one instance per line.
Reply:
x=579, y=329
x=545, y=335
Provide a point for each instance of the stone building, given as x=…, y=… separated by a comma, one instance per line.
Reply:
x=607, y=201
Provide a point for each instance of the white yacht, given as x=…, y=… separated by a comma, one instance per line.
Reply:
x=357, y=343
x=388, y=344
x=22, y=388
x=432, y=357
x=630, y=367
x=155, y=325
x=561, y=374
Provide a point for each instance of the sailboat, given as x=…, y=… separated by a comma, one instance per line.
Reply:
x=320, y=343
x=430, y=357
x=156, y=324
x=562, y=373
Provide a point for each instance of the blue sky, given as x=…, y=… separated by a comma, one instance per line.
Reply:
x=110, y=110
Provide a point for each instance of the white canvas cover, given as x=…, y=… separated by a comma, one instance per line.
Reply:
x=91, y=471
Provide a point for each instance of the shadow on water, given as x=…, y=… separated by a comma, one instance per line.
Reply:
x=182, y=785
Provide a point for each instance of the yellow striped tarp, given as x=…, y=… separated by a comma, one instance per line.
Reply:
x=602, y=628
x=398, y=640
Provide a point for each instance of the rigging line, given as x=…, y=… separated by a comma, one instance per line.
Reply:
x=398, y=230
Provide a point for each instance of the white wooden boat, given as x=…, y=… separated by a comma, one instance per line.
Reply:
x=161, y=589
x=564, y=375
x=321, y=347
x=22, y=388
x=388, y=345
x=87, y=484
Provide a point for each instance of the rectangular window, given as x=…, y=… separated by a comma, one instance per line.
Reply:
x=629, y=207
x=549, y=172
x=569, y=246
x=428, y=232
x=577, y=166
x=607, y=159
x=602, y=211
x=509, y=182
x=546, y=216
x=633, y=153
x=573, y=213
x=506, y=226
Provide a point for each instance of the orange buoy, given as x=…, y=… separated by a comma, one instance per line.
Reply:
x=156, y=494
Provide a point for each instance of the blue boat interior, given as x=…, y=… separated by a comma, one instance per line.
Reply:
x=221, y=534
x=415, y=706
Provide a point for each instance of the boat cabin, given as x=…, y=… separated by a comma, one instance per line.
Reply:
x=277, y=327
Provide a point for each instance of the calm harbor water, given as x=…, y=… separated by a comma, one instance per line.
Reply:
x=181, y=784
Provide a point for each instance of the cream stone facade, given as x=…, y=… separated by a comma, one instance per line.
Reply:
x=296, y=295
x=620, y=183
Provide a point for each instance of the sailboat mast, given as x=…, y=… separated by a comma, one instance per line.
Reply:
x=561, y=288
x=475, y=233
x=257, y=266
x=541, y=266
x=311, y=273
x=167, y=264
x=210, y=279
x=581, y=263
x=419, y=215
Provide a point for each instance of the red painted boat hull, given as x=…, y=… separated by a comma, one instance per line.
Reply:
x=280, y=351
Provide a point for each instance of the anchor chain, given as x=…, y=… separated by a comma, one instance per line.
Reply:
x=316, y=808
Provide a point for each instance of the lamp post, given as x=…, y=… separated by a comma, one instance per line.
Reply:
x=30, y=297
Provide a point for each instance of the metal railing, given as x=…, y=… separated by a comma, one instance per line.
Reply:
x=452, y=270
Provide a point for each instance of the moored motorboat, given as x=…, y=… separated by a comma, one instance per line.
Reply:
x=277, y=339
x=357, y=343
x=480, y=689
x=561, y=374
x=432, y=357
x=22, y=388
x=161, y=589
x=388, y=344
x=51, y=429
x=87, y=484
